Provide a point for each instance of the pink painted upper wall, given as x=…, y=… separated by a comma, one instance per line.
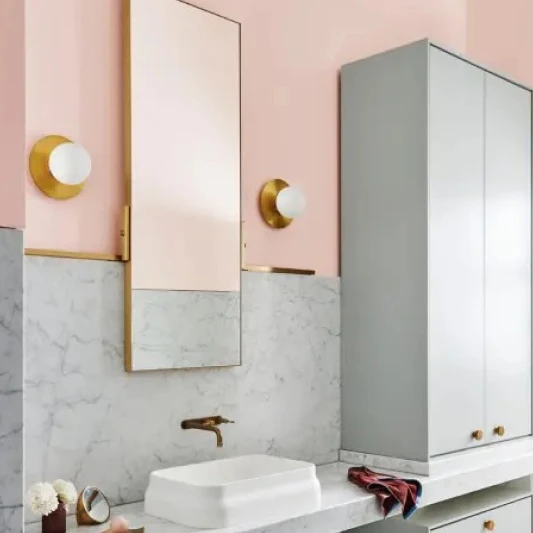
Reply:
x=500, y=36
x=74, y=88
x=292, y=51
x=12, y=154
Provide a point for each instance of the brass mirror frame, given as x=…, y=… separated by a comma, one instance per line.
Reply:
x=126, y=213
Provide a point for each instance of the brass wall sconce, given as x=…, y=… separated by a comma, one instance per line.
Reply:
x=59, y=167
x=280, y=203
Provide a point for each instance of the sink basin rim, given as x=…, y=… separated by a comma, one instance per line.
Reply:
x=189, y=475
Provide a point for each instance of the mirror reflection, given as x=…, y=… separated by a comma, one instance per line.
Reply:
x=183, y=278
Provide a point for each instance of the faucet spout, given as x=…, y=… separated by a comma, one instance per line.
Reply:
x=209, y=423
x=218, y=433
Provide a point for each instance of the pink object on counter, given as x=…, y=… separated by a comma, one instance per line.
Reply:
x=119, y=525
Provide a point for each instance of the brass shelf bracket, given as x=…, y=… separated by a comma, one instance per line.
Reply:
x=267, y=269
x=125, y=234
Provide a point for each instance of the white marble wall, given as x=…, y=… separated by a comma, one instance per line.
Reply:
x=87, y=420
x=185, y=329
x=11, y=375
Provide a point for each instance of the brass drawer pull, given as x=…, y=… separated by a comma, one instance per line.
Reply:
x=499, y=430
x=489, y=525
x=477, y=435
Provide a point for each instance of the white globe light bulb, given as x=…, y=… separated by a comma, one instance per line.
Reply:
x=70, y=163
x=291, y=202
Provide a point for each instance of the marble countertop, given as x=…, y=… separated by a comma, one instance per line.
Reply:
x=345, y=506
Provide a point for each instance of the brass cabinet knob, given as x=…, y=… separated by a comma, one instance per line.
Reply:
x=489, y=525
x=499, y=430
x=477, y=435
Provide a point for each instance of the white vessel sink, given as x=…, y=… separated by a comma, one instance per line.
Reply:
x=232, y=492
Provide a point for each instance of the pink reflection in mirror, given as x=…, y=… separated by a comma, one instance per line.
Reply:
x=185, y=132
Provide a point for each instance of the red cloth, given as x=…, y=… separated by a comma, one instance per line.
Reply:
x=390, y=491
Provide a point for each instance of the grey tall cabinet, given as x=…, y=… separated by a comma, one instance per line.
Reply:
x=436, y=255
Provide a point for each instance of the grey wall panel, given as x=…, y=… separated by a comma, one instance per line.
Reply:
x=384, y=253
x=11, y=375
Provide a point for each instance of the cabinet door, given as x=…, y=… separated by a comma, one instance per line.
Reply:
x=508, y=258
x=456, y=253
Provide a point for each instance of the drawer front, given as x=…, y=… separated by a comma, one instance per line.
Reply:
x=511, y=518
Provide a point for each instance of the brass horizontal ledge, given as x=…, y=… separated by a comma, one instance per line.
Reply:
x=92, y=256
x=278, y=270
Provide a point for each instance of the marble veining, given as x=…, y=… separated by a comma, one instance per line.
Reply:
x=185, y=329
x=11, y=375
x=345, y=506
x=460, y=461
x=387, y=463
x=89, y=421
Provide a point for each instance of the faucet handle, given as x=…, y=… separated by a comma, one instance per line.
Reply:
x=222, y=420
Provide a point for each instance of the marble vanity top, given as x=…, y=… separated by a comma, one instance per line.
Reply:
x=345, y=506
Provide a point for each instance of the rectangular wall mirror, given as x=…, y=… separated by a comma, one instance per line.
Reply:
x=183, y=183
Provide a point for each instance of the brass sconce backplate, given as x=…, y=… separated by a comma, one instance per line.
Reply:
x=40, y=171
x=267, y=204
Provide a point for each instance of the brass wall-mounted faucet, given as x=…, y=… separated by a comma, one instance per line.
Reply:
x=208, y=423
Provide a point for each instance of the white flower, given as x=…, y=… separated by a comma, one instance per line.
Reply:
x=66, y=491
x=42, y=498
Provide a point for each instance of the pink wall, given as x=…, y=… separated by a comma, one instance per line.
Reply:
x=12, y=155
x=74, y=88
x=292, y=51
x=500, y=36
x=291, y=54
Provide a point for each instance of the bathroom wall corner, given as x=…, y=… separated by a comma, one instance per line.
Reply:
x=11, y=377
